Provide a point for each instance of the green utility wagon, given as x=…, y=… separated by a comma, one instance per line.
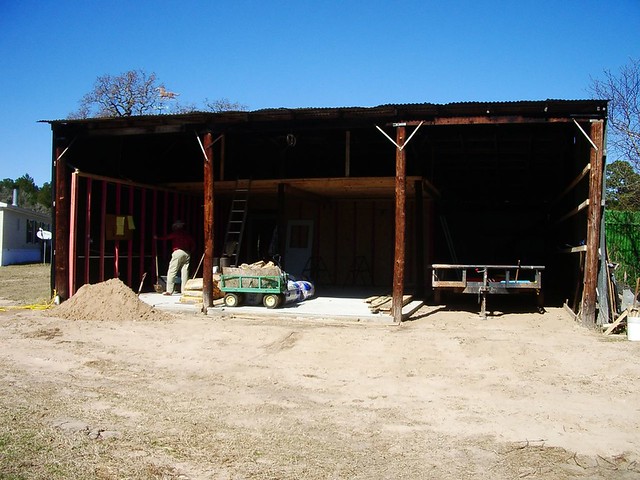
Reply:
x=237, y=282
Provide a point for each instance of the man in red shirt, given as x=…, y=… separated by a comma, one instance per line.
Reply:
x=182, y=244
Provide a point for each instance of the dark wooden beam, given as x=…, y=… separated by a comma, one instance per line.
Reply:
x=594, y=217
x=399, y=250
x=299, y=192
x=207, y=273
x=485, y=120
x=321, y=188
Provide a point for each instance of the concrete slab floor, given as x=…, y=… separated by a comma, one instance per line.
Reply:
x=346, y=306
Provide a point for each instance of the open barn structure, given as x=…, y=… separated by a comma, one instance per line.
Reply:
x=347, y=197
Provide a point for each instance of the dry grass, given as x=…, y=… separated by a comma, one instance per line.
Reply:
x=188, y=443
x=26, y=284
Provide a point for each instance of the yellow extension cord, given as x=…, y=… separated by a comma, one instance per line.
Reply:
x=39, y=306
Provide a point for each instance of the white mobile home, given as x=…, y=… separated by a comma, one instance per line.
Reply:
x=19, y=241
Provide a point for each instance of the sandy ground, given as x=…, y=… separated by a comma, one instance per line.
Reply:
x=447, y=395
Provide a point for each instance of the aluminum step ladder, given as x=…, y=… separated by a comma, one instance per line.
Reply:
x=237, y=221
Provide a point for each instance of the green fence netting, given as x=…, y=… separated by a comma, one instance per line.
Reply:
x=623, y=244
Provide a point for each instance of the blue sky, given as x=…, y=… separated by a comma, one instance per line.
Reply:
x=299, y=54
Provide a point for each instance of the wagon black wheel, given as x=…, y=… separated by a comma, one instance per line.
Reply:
x=271, y=301
x=232, y=300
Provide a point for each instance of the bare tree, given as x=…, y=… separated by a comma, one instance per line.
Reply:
x=223, y=105
x=215, y=106
x=623, y=91
x=131, y=93
x=137, y=93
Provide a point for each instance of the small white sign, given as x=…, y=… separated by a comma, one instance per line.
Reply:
x=43, y=234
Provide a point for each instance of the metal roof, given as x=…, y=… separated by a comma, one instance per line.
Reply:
x=536, y=108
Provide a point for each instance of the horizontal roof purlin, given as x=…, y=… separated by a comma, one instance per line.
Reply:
x=531, y=109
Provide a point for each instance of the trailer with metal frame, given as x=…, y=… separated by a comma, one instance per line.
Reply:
x=488, y=279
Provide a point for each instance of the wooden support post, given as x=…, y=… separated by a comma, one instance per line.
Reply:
x=103, y=223
x=61, y=237
x=594, y=217
x=399, y=251
x=154, y=230
x=87, y=231
x=207, y=273
x=116, y=243
x=142, y=230
x=419, y=239
x=73, y=230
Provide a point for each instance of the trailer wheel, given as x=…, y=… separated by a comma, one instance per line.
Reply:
x=232, y=299
x=271, y=300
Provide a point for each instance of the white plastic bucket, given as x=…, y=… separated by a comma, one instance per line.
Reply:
x=633, y=329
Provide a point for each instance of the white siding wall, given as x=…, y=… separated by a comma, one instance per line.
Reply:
x=16, y=245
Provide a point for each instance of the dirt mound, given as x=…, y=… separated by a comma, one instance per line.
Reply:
x=110, y=300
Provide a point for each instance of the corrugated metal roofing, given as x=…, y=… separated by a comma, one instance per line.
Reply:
x=536, y=108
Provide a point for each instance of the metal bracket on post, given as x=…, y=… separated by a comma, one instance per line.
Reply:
x=585, y=134
x=64, y=151
x=204, y=153
x=408, y=139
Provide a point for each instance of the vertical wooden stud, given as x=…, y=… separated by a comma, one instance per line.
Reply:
x=103, y=232
x=87, y=232
x=594, y=217
x=73, y=227
x=419, y=238
x=61, y=239
x=142, y=228
x=207, y=273
x=399, y=250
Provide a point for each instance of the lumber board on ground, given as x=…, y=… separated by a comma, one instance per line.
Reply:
x=385, y=303
x=411, y=308
x=380, y=301
x=568, y=309
x=619, y=320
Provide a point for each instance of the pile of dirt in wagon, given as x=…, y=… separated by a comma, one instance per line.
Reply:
x=111, y=300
